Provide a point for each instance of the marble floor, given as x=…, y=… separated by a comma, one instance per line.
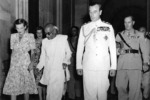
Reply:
x=20, y=97
x=35, y=97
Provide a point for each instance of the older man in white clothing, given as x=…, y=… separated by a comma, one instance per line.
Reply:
x=55, y=57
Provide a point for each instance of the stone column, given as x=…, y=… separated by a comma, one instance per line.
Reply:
x=22, y=9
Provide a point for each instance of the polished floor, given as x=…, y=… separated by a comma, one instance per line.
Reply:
x=20, y=97
x=35, y=97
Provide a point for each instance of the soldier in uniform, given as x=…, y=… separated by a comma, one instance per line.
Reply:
x=129, y=70
x=145, y=76
x=96, y=48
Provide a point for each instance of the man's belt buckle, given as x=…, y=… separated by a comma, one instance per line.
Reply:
x=131, y=51
x=128, y=51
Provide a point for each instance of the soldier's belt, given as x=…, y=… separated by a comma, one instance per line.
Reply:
x=131, y=51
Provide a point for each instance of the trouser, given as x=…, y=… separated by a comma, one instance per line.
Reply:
x=55, y=85
x=131, y=78
x=74, y=84
x=146, y=84
x=96, y=84
x=113, y=85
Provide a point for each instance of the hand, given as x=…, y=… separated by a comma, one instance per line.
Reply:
x=145, y=67
x=121, y=51
x=36, y=71
x=118, y=51
x=64, y=65
x=30, y=67
x=112, y=73
x=79, y=71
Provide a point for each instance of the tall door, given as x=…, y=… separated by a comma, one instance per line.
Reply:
x=47, y=11
x=33, y=16
x=58, y=12
x=67, y=15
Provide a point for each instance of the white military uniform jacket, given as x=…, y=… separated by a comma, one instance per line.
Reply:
x=96, y=47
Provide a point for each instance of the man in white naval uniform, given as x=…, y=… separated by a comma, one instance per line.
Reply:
x=96, y=48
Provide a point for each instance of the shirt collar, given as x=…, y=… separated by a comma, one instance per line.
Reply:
x=97, y=23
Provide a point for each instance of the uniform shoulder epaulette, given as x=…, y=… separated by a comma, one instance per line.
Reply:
x=86, y=23
x=106, y=22
x=139, y=33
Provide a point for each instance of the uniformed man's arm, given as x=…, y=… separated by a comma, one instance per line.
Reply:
x=120, y=49
x=118, y=39
x=80, y=49
x=144, y=46
x=112, y=48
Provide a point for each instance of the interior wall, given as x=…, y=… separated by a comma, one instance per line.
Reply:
x=10, y=10
x=57, y=12
x=47, y=12
x=81, y=12
x=7, y=17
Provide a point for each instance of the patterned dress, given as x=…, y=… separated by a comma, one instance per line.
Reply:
x=36, y=56
x=19, y=80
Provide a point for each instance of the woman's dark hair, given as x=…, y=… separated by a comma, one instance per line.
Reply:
x=21, y=21
x=73, y=27
x=42, y=29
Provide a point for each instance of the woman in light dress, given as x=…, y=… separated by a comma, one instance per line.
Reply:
x=20, y=78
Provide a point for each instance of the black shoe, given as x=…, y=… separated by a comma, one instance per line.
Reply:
x=64, y=98
x=70, y=99
x=146, y=99
x=79, y=98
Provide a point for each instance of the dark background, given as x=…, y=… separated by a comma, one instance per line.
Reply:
x=114, y=12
